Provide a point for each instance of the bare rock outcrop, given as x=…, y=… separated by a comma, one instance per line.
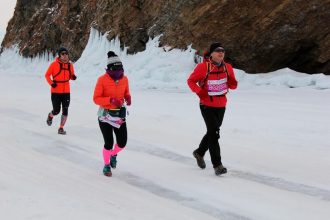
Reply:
x=259, y=36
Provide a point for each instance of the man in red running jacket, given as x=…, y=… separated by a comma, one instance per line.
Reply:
x=211, y=81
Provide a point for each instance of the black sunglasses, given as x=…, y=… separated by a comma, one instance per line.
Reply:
x=64, y=53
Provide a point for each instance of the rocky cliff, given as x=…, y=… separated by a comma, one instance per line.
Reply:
x=259, y=35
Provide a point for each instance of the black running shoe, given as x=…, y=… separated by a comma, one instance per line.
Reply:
x=107, y=170
x=61, y=131
x=113, y=161
x=49, y=120
x=200, y=160
x=220, y=170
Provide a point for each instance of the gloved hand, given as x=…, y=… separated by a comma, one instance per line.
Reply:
x=74, y=77
x=117, y=102
x=202, y=93
x=128, y=100
x=54, y=84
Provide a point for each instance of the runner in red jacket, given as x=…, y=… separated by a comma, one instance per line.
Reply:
x=211, y=81
x=58, y=75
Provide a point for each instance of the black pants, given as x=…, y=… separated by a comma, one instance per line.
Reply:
x=58, y=100
x=107, y=132
x=213, y=118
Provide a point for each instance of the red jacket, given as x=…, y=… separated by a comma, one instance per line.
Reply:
x=106, y=88
x=198, y=81
x=61, y=78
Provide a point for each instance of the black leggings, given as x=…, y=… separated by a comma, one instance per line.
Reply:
x=213, y=118
x=59, y=99
x=121, y=135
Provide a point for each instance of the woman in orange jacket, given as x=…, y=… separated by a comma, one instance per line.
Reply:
x=111, y=91
x=58, y=75
x=211, y=81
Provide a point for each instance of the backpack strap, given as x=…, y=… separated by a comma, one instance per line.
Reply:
x=61, y=67
x=69, y=68
x=208, y=70
x=226, y=70
x=207, y=74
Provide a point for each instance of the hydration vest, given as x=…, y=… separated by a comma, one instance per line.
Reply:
x=216, y=87
x=62, y=68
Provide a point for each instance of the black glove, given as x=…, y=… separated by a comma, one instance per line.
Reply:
x=74, y=77
x=54, y=84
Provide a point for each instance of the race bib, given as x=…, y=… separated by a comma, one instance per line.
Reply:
x=217, y=87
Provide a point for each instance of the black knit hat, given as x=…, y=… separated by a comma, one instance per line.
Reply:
x=114, y=62
x=215, y=46
x=62, y=49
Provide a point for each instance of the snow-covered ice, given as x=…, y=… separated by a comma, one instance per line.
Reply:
x=274, y=142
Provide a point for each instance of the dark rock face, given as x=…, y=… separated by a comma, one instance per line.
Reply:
x=259, y=36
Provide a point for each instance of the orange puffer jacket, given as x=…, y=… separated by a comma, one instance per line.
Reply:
x=107, y=88
x=62, y=78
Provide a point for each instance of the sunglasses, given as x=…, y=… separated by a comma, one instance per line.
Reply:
x=64, y=53
x=219, y=50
